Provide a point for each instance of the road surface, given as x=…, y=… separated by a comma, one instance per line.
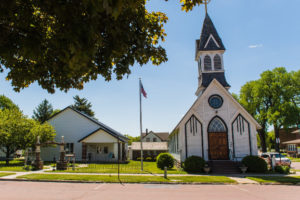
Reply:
x=10, y=190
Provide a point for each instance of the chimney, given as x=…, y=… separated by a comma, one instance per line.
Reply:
x=146, y=131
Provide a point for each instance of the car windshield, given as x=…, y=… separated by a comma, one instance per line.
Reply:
x=279, y=156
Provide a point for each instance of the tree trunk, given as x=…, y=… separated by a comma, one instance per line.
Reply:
x=276, y=131
x=262, y=135
x=7, y=155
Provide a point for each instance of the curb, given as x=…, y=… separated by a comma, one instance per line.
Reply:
x=74, y=181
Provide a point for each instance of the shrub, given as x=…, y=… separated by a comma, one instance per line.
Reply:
x=165, y=160
x=255, y=164
x=138, y=158
x=149, y=159
x=194, y=164
x=282, y=169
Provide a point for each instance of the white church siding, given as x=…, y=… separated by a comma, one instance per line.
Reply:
x=205, y=113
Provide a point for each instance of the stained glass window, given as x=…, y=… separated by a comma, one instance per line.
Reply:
x=216, y=125
x=215, y=101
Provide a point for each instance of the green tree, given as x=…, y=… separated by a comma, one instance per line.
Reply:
x=281, y=93
x=6, y=103
x=43, y=112
x=64, y=44
x=252, y=99
x=133, y=139
x=18, y=132
x=82, y=105
x=273, y=100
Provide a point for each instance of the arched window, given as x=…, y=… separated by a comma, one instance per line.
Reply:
x=207, y=63
x=216, y=126
x=217, y=62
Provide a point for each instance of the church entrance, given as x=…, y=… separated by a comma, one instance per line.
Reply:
x=218, y=140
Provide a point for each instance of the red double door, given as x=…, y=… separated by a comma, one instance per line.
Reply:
x=218, y=146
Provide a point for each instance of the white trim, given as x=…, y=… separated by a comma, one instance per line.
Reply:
x=199, y=99
x=211, y=37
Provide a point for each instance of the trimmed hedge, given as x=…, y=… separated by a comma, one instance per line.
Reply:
x=282, y=169
x=165, y=160
x=194, y=164
x=255, y=164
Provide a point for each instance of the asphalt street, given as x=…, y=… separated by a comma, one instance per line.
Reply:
x=11, y=190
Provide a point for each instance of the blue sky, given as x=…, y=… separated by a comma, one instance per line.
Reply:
x=258, y=35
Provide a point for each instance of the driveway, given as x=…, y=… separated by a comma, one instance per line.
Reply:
x=61, y=191
x=296, y=165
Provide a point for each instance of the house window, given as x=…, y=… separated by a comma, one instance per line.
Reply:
x=217, y=62
x=207, y=63
x=154, y=140
x=292, y=147
x=105, y=150
x=69, y=148
x=147, y=139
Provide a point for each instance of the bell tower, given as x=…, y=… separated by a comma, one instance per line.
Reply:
x=209, y=56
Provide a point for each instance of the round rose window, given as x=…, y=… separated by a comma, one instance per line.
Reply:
x=215, y=101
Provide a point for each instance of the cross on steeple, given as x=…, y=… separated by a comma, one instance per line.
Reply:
x=206, y=2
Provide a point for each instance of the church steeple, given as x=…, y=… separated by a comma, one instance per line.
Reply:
x=209, y=55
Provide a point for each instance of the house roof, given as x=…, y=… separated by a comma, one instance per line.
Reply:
x=164, y=136
x=209, y=30
x=292, y=142
x=150, y=146
x=296, y=131
x=100, y=124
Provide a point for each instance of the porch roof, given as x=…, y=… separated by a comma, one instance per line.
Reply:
x=292, y=142
x=161, y=146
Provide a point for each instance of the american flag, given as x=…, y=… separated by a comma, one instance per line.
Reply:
x=143, y=91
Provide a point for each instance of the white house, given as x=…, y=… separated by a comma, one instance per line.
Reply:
x=86, y=138
x=216, y=127
x=155, y=136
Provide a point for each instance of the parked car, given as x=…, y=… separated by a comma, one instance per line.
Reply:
x=279, y=159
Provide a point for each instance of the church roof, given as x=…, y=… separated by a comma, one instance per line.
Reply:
x=208, y=77
x=209, y=39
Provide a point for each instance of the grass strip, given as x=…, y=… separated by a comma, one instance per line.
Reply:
x=5, y=174
x=130, y=179
x=133, y=167
x=276, y=179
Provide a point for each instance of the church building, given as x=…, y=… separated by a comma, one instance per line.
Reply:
x=216, y=127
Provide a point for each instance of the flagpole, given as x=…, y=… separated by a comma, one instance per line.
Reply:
x=141, y=127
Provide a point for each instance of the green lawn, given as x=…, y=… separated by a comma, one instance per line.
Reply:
x=5, y=174
x=130, y=179
x=14, y=165
x=276, y=179
x=133, y=167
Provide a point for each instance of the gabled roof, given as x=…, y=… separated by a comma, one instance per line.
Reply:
x=228, y=94
x=209, y=36
x=100, y=124
x=164, y=136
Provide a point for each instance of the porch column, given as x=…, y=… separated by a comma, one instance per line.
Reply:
x=83, y=156
x=121, y=151
x=116, y=150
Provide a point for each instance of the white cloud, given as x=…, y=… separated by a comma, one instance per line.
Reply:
x=255, y=46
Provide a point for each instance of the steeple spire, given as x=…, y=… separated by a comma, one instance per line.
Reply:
x=206, y=2
x=209, y=55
